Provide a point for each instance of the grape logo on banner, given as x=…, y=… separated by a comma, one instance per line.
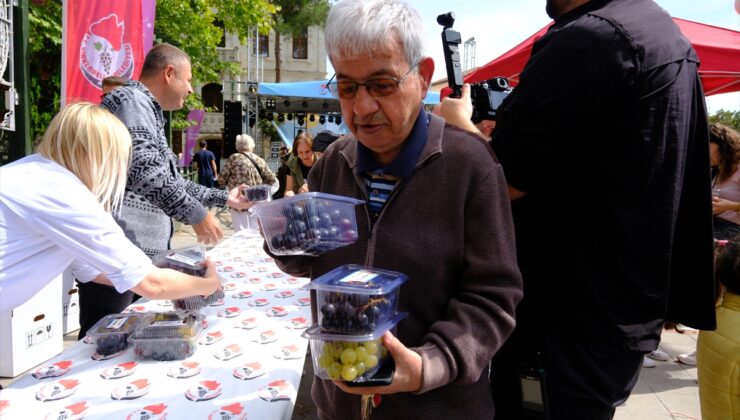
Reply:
x=104, y=53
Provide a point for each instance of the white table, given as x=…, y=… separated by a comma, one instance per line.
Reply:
x=243, y=267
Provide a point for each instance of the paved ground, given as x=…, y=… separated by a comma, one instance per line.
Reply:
x=667, y=391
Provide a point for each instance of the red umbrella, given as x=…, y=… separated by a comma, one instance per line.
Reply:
x=718, y=50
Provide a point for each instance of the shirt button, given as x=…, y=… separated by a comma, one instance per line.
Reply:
x=375, y=192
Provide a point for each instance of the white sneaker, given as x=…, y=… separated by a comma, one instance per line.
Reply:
x=659, y=355
x=683, y=328
x=647, y=363
x=688, y=358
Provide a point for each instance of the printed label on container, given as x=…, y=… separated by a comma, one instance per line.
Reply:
x=183, y=259
x=359, y=277
x=115, y=323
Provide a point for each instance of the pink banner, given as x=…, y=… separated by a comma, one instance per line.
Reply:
x=148, y=9
x=191, y=134
x=100, y=39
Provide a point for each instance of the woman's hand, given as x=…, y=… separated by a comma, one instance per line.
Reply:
x=304, y=188
x=406, y=378
x=212, y=282
x=720, y=205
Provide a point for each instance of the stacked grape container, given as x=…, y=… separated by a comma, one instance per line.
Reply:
x=167, y=335
x=111, y=333
x=308, y=224
x=356, y=306
x=190, y=260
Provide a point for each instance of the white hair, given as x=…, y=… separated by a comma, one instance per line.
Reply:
x=356, y=27
x=244, y=143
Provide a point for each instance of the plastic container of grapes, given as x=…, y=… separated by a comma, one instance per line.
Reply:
x=111, y=333
x=308, y=224
x=167, y=336
x=355, y=359
x=259, y=193
x=352, y=299
x=189, y=260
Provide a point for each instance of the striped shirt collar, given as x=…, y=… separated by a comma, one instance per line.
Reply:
x=402, y=165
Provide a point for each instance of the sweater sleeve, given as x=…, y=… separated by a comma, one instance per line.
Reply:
x=153, y=170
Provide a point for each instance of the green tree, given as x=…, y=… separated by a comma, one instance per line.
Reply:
x=45, y=50
x=292, y=18
x=728, y=118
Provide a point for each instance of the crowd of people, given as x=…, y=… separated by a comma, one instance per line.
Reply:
x=545, y=251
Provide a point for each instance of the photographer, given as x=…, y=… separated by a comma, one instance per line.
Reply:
x=604, y=146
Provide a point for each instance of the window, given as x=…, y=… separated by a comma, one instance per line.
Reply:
x=212, y=96
x=220, y=24
x=264, y=43
x=300, y=45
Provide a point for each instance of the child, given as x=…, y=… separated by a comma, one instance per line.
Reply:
x=718, y=352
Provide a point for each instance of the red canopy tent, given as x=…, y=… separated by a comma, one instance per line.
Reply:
x=718, y=50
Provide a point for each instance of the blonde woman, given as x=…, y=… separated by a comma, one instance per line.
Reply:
x=55, y=212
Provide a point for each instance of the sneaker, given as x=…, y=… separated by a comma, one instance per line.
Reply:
x=683, y=328
x=688, y=358
x=659, y=355
x=647, y=363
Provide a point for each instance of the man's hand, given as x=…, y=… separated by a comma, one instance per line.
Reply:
x=457, y=111
x=237, y=198
x=208, y=231
x=407, y=377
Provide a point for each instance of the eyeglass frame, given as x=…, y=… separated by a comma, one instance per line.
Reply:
x=369, y=91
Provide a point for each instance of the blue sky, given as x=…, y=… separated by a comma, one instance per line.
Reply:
x=499, y=25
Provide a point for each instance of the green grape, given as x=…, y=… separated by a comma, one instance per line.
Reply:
x=326, y=360
x=361, y=368
x=371, y=361
x=334, y=371
x=371, y=347
x=361, y=353
x=348, y=356
x=349, y=372
x=337, y=349
x=383, y=351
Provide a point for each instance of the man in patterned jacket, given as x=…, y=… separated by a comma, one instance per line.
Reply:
x=155, y=190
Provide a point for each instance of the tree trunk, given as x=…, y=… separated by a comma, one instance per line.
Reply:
x=277, y=57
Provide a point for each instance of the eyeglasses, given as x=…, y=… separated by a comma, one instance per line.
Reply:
x=378, y=88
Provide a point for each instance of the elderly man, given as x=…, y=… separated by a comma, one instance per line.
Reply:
x=445, y=221
x=604, y=143
x=155, y=190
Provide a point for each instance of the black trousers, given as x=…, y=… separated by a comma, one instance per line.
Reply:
x=583, y=379
x=99, y=300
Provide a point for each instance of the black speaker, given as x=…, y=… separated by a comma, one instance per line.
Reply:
x=232, y=125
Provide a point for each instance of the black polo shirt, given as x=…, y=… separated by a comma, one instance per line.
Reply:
x=607, y=136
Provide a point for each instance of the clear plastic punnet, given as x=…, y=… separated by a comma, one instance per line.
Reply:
x=352, y=299
x=189, y=260
x=308, y=224
x=110, y=334
x=354, y=359
x=260, y=193
x=167, y=336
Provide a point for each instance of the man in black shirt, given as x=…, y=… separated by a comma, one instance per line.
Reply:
x=604, y=145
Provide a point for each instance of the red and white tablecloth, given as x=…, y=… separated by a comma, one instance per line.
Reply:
x=256, y=334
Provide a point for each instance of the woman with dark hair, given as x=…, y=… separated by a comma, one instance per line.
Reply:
x=724, y=156
x=300, y=164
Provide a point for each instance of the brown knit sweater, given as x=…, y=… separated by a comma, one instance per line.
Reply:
x=449, y=228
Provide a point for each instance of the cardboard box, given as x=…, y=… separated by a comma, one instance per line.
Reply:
x=31, y=333
x=70, y=304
